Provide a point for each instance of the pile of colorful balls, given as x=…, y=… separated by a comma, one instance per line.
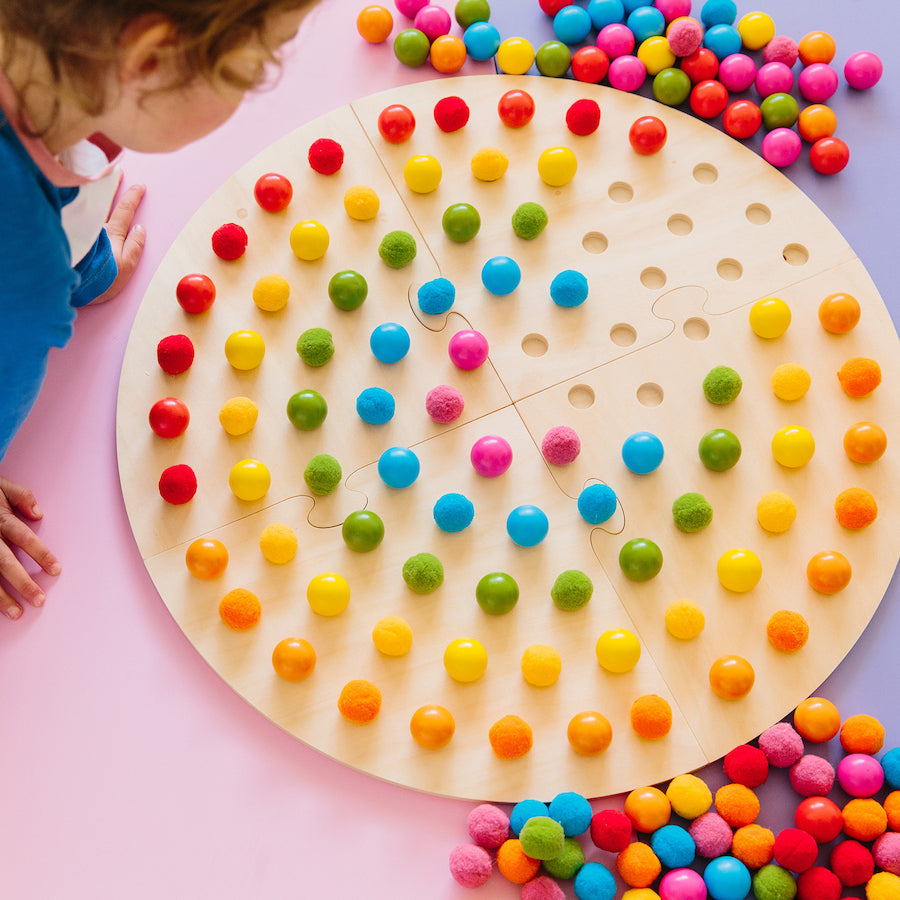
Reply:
x=682, y=841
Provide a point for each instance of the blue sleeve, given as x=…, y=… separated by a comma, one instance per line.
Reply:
x=97, y=271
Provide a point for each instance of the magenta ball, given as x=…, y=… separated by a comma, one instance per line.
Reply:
x=737, y=72
x=817, y=82
x=616, y=40
x=781, y=147
x=409, y=8
x=626, y=73
x=860, y=775
x=673, y=9
x=468, y=349
x=682, y=884
x=491, y=456
x=470, y=865
x=863, y=70
x=774, y=78
x=432, y=21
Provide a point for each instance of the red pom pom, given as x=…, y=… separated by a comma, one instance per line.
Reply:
x=852, y=863
x=451, y=113
x=326, y=156
x=175, y=354
x=229, y=242
x=747, y=765
x=177, y=484
x=611, y=830
x=583, y=117
x=795, y=850
x=819, y=883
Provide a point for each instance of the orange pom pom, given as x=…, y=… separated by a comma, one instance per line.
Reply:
x=737, y=805
x=651, y=717
x=513, y=863
x=360, y=701
x=859, y=376
x=892, y=810
x=638, y=865
x=754, y=846
x=864, y=819
x=855, y=508
x=787, y=631
x=862, y=734
x=240, y=609
x=511, y=737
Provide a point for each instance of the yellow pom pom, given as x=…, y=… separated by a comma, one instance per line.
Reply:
x=278, y=543
x=361, y=203
x=489, y=164
x=392, y=636
x=238, y=415
x=541, y=665
x=684, y=620
x=790, y=382
x=271, y=292
x=776, y=512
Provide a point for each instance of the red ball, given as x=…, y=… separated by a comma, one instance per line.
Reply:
x=177, y=484
x=273, y=192
x=195, y=293
x=590, y=64
x=709, y=98
x=169, y=417
x=552, y=7
x=516, y=108
x=396, y=123
x=229, y=242
x=742, y=119
x=611, y=830
x=583, y=117
x=818, y=883
x=451, y=113
x=175, y=354
x=852, y=863
x=647, y=135
x=819, y=817
x=326, y=156
x=829, y=155
x=747, y=765
x=795, y=850
x=701, y=65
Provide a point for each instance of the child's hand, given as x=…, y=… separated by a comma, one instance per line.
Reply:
x=15, y=533
x=127, y=242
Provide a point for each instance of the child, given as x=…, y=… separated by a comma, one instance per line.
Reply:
x=79, y=80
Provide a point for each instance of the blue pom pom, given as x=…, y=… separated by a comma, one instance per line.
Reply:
x=594, y=882
x=453, y=512
x=572, y=811
x=674, y=846
x=389, y=342
x=375, y=406
x=436, y=296
x=597, y=503
x=569, y=288
x=523, y=811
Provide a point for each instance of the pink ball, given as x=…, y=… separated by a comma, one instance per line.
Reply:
x=886, y=852
x=682, y=884
x=712, y=835
x=432, y=21
x=616, y=40
x=737, y=72
x=673, y=9
x=781, y=147
x=817, y=82
x=774, y=78
x=542, y=888
x=468, y=349
x=685, y=35
x=860, y=775
x=781, y=744
x=409, y=8
x=812, y=776
x=470, y=865
x=626, y=73
x=561, y=445
x=781, y=49
x=488, y=825
x=491, y=456
x=863, y=70
x=444, y=404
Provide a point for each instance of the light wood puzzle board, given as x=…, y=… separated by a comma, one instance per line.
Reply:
x=676, y=248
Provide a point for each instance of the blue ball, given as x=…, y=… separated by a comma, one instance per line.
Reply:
x=436, y=296
x=375, y=406
x=572, y=811
x=482, y=40
x=569, y=288
x=398, y=467
x=674, y=846
x=605, y=12
x=632, y=5
x=594, y=882
x=389, y=342
x=727, y=878
x=642, y=452
x=572, y=24
x=718, y=12
x=501, y=275
x=646, y=22
x=597, y=503
x=453, y=512
x=890, y=762
x=723, y=40
x=527, y=526
x=525, y=810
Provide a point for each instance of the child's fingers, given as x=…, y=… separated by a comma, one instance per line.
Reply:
x=15, y=533
x=123, y=213
x=21, y=499
x=20, y=581
x=9, y=607
x=132, y=248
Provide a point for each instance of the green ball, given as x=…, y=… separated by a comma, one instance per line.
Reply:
x=397, y=249
x=467, y=12
x=347, y=289
x=322, y=474
x=779, y=111
x=412, y=47
x=567, y=864
x=672, y=87
x=572, y=590
x=542, y=838
x=423, y=573
x=719, y=449
x=461, y=222
x=692, y=512
x=529, y=220
x=553, y=59
x=774, y=883
x=640, y=559
x=497, y=593
x=315, y=346
x=722, y=385
x=362, y=531
x=307, y=410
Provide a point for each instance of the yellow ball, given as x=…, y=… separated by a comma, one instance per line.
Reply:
x=557, y=166
x=776, y=512
x=271, y=292
x=465, y=660
x=328, y=594
x=684, y=620
x=770, y=317
x=793, y=446
x=790, y=382
x=278, y=543
x=238, y=415
x=640, y=894
x=541, y=665
x=361, y=203
x=309, y=240
x=422, y=174
x=656, y=55
x=489, y=164
x=392, y=636
x=515, y=56
x=245, y=349
x=618, y=650
x=249, y=480
x=756, y=30
x=739, y=570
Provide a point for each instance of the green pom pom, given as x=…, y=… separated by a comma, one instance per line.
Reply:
x=542, y=838
x=567, y=864
x=692, y=512
x=774, y=883
x=423, y=573
x=529, y=220
x=322, y=474
x=722, y=385
x=397, y=249
x=572, y=590
x=315, y=346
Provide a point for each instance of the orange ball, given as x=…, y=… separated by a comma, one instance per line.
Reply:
x=839, y=313
x=817, y=719
x=511, y=737
x=864, y=819
x=737, y=805
x=206, y=558
x=360, y=701
x=514, y=864
x=638, y=865
x=816, y=47
x=240, y=609
x=828, y=572
x=448, y=53
x=787, y=631
x=859, y=376
x=731, y=677
x=374, y=24
x=862, y=734
x=855, y=508
x=432, y=726
x=865, y=442
x=651, y=717
x=648, y=808
x=815, y=122
x=589, y=733
x=293, y=659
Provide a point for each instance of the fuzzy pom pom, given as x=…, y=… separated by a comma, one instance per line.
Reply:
x=177, y=484
x=862, y=734
x=529, y=220
x=375, y=405
x=691, y=512
x=514, y=864
x=561, y=446
x=712, y=835
x=638, y=865
x=453, y=512
x=451, y=113
x=569, y=289
x=689, y=795
x=315, y=346
x=722, y=385
x=542, y=888
x=572, y=811
x=470, y=865
x=175, y=354
x=852, y=863
x=572, y=590
x=864, y=819
x=774, y=883
x=886, y=852
x=781, y=49
x=812, y=776
x=326, y=156
x=436, y=296
x=753, y=845
x=674, y=846
x=567, y=862
x=488, y=825
x=542, y=837
x=883, y=886
x=397, y=249
x=597, y=503
x=322, y=474
x=229, y=241
x=423, y=573
x=611, y=830
x=782, y=745
x=737, y=805
x=795, y=849
x=583, y=117
x=444, y=404
x=685, y=35
x=525, y=810
x=818, y=883
x=747, y=765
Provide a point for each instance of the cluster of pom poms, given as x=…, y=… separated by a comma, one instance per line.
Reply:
x=688, y=841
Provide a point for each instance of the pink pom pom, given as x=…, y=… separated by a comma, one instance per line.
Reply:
x=782, y=745
x=812, y=776
x=712, y=835
x=561, y=445
x=685, y=35
x=488, y=825
x=781, y=49
x=470, y=865
x=542, y=888
x=444, y=404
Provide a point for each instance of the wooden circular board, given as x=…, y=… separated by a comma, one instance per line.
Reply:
x=676, y=247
